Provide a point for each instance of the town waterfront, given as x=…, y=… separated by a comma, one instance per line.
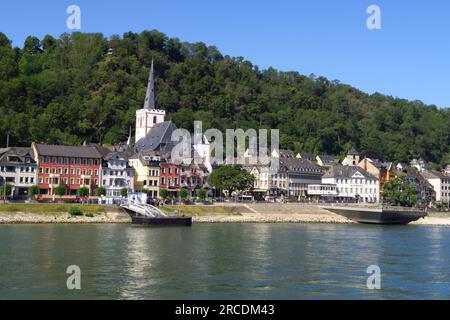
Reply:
x=225, y=261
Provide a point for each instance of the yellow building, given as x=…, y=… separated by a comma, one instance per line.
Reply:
x=147, y=171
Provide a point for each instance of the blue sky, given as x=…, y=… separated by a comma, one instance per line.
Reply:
x=408, y=58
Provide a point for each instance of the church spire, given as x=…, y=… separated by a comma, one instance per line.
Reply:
x=150, y=95
x=129, y=139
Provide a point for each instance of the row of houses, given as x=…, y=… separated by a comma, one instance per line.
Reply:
x=355, y=178
x=94, y=166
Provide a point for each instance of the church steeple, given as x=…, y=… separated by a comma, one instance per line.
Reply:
x=150, y=95
x=148, y=116
x=129, y=139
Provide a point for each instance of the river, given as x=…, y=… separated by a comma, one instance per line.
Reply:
x=224, y=261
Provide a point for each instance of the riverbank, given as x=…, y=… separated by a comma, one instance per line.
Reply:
x=221, y=213
x=58, y=213
x=300, y=213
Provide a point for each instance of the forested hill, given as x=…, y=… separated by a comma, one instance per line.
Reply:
x=74, y=88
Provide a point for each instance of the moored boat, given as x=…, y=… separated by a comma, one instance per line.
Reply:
x=145, y=214
x=378, y=215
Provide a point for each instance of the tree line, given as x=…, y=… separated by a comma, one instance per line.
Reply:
x=86, y=87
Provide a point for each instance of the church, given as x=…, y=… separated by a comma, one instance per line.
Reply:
x=152, y=149
x=153, y=133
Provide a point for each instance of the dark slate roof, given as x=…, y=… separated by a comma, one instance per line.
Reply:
x=67, y=151
x=340, y=171
x=352, y=152
x=112, y=154
x=284, y=153
x=381, y=165
x=433, y=174
x=307, y=156
x=328, y=159
x=158, y=138
x=150, y=94
x=300, y=165
x=147, y=162
x=19, y=152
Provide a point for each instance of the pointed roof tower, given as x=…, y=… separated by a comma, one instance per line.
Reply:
x=150, y=95
x=129, y=139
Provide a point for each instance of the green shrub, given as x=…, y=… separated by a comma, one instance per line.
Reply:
x=89, y=215
x=75, y=211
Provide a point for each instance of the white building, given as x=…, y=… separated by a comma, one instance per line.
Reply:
x=419, y=164
x=352, y=183
x=116, y=174
x=262, y=178
x=18, y=168
x=352, y=158
x=440, y=183
x=322, y=190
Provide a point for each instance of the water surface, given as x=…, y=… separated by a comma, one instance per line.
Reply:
x=224, y=261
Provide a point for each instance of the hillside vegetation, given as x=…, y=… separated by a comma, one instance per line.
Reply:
x=85, y=87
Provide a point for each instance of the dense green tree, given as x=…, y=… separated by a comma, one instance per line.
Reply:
x=201, y=194
x=399, y=191
x=83, y=192
x=163, y=193
x=33, y=191
x=61, y=190
x=231, y=178
x=5, y=189
x=74, y=88
x=184, y=193
x=101, y=191
x=124, y=192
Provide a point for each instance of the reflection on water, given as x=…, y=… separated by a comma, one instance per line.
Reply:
x=225, y=261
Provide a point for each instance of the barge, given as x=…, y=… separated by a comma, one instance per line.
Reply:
x=146, y=215
x=380, y=215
